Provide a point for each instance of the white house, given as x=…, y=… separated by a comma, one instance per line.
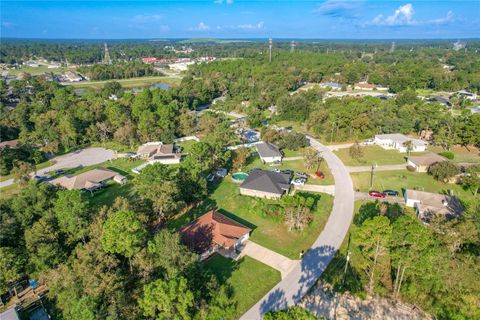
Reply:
x=269, y=152
x=396, y=141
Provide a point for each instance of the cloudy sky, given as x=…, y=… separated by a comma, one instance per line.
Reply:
x=334, y=19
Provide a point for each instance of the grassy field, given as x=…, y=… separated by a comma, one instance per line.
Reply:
x=129, y=83
x=35, y=71
x=396, y=180
x=296, y=165
x=249, y=279
x=462, y=154
x=268, y=231
x=373, y=154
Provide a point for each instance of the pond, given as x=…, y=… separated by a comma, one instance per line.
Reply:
x=162, y=86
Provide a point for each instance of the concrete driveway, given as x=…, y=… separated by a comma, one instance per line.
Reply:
x=305, y=274
x=329, y=189
x=269, y=257
x=84, y=157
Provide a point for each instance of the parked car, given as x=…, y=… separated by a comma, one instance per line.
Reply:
x=299, y=181
x=61, y=171
x=368, y=142
x=40, y=178
x=376, y=194
x=290, y=172
x=320, y=174
x=276, y=170
x=389, y=192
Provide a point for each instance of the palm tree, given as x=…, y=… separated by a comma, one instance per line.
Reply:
x=409, y=145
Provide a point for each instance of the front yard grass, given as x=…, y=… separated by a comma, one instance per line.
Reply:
x=398, y=180
x=249, y=278
x=268, y=231
x=372, y=155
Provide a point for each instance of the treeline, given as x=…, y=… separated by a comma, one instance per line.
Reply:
x=393, y=254
x=118, y=71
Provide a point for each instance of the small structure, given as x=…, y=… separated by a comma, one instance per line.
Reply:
x=364, y=86
x=89, y=181
x=214, y=232
x=9, y=143
x=332, y=85
x=429, y=204
x=441, y=100
x=467, y=95
x=422, y=163
x=475, y=110
x=266, y=184
x=159, y=152
x=269, y=152
x=73, y=77
x=397, y=141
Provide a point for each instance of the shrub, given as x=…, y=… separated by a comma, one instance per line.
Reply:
x=411, y=168
x=447, y=154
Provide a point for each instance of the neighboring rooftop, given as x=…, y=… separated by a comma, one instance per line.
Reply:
x=267, y=150
x=88, y=180
x=429, y=204
x=427, y=160
x=267, y=181
x=399, y=138
x=211, y=229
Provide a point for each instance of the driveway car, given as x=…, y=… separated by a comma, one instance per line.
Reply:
x=376, y=194
x=368, y=142
x=389, y=192
x=320, y=174
x=299, y=181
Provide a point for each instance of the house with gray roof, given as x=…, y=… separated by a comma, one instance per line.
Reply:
x=428, y=204
x=269, y=152
x=422, y=163
x=397, y=141
x=265, y=184
x=89, y=181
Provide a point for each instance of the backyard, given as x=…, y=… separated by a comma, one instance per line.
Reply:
x=372, y=155
x=244, y=277
x=398, y=180
x=268, y=231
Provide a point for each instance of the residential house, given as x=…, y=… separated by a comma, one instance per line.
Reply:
x=467, y=95
x=422, y=163
x=429, y=204
x=159, y=152
x=214, y=233
x=397, y=141
x=332, y=85
x=89, y=181
x=269, y=152
x=266, y=184
x=364, y=86
x=441, y=100
x=73, y=77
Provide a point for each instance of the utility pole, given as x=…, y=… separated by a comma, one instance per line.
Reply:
x=345, y=270
x=270, y=50
x=292, y=46
x=392, y=48
x=372, y=174
x=106, y=57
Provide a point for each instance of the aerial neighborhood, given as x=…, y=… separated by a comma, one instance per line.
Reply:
x=146, y=174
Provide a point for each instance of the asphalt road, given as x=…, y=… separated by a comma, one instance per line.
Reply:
x=295, y=285
x=83, y=157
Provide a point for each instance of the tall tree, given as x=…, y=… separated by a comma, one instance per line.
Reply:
x=71, y=210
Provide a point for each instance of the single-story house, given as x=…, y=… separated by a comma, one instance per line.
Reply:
x=89, y=181
x=422, y=163
x=9, y=143
x=428, y=204
x=266, y=184
x=397, y=140
x=73, y=77
x=159, y=152
x=214, y=232
x=269, y=152
x=364, y=86
x=332, y=85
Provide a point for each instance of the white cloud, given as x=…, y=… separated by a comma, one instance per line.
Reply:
x=403, y=16
x=249, y=26
x=146, y=18
x=339, y=8
x=200, y=27
x=223, y=1
x=8, y=24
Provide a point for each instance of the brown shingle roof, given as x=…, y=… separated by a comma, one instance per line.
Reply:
x=211, y=229
x=86, y=180
x=427, y=160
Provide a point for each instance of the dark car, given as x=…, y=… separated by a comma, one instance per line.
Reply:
x=40, y=178
x=376, y=194
x=390, y=193
x=290, y=172
x=61, y=171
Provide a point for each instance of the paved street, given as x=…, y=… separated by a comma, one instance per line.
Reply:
x=392, y=167
x=84, y=157
x=269, y=257
x=296, y=284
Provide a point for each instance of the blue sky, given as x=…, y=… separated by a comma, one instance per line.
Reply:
x=353, y=19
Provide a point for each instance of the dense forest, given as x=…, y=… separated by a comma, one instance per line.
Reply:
x=118, y=71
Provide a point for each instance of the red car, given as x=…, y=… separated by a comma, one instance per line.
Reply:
x=376, y=194
x=320, y=174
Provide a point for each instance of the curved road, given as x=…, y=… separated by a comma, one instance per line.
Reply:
x=295, y=285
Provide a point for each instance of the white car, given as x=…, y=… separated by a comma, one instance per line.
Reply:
x=299, y=181
x=368, y=142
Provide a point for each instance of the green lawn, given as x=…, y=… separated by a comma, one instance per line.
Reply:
x=249, y=279
x=397, y=180
x=268, y=231
x=296, y=165
x=129, y=83
x=373, y=154
x=35, y=71
x=462, y=154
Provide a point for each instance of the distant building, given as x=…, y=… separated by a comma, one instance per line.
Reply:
x=368, y=87
x=269, y=152
x=396, y=141
x=214, y=233
x=467, y=95
x=149, y=60
x=266, y=184
x=427, y=204
x=73, y=77
x=422, y=163
x=89, y=181
x=332, y=85
x=159, y=152
x=441, y=100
